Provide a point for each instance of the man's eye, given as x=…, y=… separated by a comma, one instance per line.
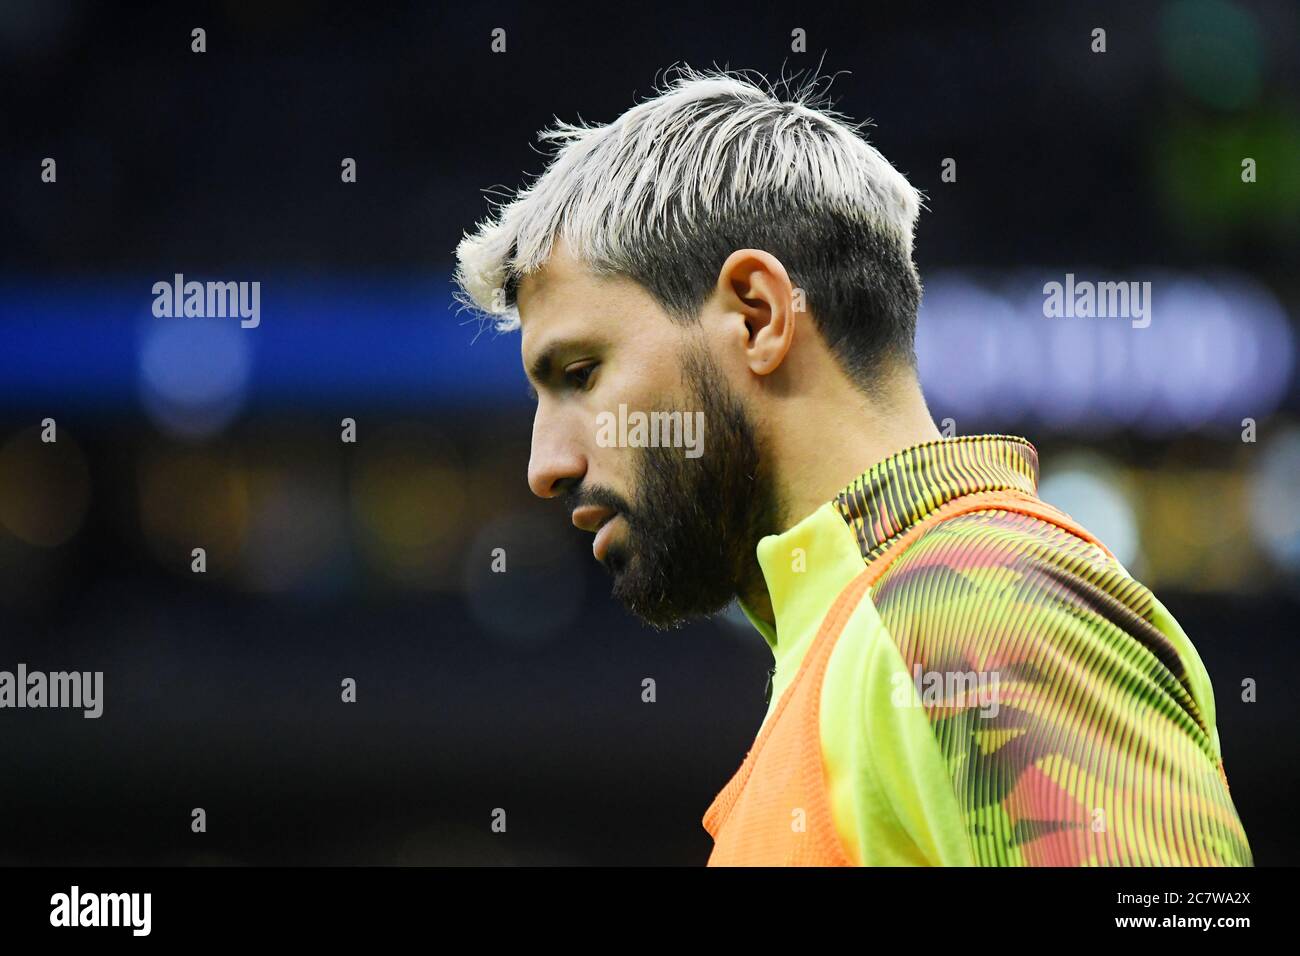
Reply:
x=580, y=375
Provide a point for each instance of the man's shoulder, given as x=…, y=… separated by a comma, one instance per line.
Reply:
x=1003, y=589
x=997, y=536
x=987, y=559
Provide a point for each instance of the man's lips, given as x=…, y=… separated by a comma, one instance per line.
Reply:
x=599, y=520
x=600, y=543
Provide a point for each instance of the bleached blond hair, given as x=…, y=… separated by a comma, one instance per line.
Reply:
x=715, y=162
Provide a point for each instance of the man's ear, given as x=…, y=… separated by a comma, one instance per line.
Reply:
x=755, y=287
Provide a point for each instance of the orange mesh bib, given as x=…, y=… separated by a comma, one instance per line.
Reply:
x=775, y=810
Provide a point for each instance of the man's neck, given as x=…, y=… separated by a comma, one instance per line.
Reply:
x=820, y=442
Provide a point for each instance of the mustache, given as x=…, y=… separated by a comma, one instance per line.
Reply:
x=599, y=497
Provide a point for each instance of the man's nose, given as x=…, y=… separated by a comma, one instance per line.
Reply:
x=553, y=461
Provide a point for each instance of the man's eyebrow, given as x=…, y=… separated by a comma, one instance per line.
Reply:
x=539, y=370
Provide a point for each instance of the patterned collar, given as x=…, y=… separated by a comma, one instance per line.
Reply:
x=866, y=517
x=904, y=488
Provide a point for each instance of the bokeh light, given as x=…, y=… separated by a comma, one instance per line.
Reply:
x=539, y=594
x=44, y=487
x=194, y=374
x=1093, y=492
x=408, y=499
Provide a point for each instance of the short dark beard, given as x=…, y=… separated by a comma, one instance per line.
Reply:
x=691, y=536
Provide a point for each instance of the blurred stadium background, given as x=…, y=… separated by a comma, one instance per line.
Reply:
x=371, y=561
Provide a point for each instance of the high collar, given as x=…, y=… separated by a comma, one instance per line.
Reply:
x=806, y=566
x=885, y=501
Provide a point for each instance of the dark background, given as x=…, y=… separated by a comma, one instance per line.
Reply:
x=371, y=560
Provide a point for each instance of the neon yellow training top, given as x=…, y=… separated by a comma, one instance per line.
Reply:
x=1081, y=702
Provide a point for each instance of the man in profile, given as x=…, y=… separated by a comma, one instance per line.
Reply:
x=963, y=674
